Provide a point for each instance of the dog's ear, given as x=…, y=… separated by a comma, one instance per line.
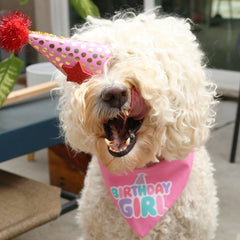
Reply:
x=184, y=88
x=193, y=117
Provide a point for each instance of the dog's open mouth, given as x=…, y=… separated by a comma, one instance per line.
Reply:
x=122, y=131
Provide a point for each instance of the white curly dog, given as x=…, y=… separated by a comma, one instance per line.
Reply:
x=151, y=105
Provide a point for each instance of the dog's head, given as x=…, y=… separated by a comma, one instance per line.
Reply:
x=152, y=102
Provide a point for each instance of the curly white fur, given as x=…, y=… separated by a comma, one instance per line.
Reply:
x=160, y=57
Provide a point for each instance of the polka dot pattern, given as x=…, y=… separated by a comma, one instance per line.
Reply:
x=65, y=51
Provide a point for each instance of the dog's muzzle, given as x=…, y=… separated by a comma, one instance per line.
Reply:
x=121, y=130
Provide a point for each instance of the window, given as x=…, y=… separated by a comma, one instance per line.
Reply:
x=217, y=27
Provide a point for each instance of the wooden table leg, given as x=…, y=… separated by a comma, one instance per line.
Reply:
x=67, y=169
x=30, y=157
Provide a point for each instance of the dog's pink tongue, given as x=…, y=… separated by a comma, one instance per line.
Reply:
x=138, y=108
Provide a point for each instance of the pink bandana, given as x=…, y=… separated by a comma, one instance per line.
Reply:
x=143, y=196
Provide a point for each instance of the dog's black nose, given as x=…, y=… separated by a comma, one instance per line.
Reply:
x=115, y=95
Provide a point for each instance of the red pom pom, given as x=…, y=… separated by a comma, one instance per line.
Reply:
x=14, y=30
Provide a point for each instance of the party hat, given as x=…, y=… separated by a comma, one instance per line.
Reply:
x=77, y=59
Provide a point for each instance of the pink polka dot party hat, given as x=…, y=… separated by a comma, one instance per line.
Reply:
x=78, y=60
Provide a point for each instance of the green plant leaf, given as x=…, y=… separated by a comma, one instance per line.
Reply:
x=85, y=8
x=10, y=69
x=23, y=2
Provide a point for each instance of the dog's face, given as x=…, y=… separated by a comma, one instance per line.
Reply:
x=151, y=103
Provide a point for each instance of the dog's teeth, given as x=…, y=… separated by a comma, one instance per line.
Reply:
x=113, y=150
x=117, y=151
x=128, y=142
x=123, y=148
x=107, y=142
